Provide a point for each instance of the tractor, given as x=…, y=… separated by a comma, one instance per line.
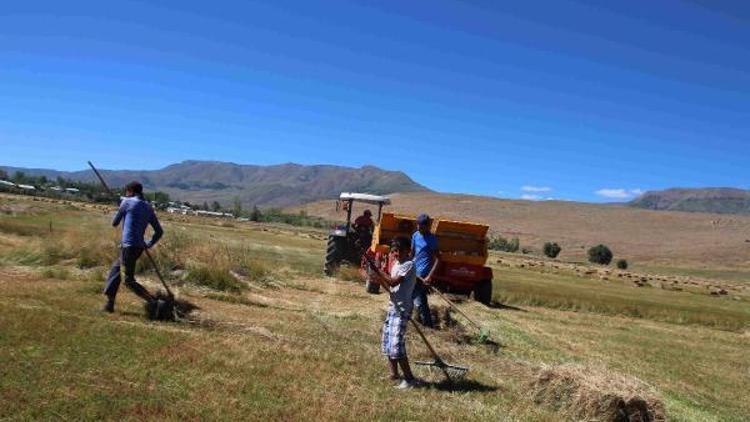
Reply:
x=463, y=254
x=347, y=243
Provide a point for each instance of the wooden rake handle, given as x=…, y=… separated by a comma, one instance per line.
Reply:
x=158, y=273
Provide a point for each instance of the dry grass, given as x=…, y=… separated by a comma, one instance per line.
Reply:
x=597, y=394
x=292, y=342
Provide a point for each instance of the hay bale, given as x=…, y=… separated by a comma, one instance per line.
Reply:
x=596, y=394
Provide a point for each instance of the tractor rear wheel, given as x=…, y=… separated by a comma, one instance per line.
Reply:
x=483, y=292
x=333, y=255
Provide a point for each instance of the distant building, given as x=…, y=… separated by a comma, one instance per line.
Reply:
x=57, y=188
x=7, y=183
x=26, y=187
x=72, y=190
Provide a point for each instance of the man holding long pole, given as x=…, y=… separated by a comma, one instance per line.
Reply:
x=136, y=215
x=426, y=257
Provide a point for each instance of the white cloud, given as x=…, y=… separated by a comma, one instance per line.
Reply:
x=529, y=197
x=528, y=188
x=619, y=193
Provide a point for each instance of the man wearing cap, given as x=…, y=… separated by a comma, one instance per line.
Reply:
x=426, y=257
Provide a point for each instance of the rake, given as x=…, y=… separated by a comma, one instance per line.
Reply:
x=452, y=372
x=484, y=333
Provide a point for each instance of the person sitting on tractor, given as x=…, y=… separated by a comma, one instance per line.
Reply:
x=363, y=226
x=364, y=221
x=426, y=256
x=136, y=215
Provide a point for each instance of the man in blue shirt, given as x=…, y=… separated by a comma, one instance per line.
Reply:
x=426, y=257
x=136, y=215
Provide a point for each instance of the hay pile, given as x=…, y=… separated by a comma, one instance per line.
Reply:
x=596, y=394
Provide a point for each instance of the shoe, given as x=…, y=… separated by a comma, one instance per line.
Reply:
x=108, y=307
x=406, y=385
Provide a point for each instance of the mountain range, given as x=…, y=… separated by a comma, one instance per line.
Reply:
x=714, y=200
x=287, y=185
x=265, y=186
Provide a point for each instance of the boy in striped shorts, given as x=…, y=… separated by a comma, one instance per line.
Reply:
x=400, y=281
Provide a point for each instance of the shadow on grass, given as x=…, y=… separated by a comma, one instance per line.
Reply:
x=466, y=386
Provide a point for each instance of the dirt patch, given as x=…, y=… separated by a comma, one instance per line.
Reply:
x=596, y=394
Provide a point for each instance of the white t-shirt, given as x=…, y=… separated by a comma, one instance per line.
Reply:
x=401, y=294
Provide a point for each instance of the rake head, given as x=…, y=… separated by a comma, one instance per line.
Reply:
x=451, y=372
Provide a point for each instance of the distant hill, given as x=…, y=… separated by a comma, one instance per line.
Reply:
x=266, y=186
x=714, y=200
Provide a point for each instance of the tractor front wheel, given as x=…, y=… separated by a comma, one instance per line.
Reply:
x=483, y=292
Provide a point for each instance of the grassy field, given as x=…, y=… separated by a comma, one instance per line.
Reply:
x=274, y=339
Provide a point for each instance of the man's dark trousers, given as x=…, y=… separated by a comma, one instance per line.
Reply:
x=128, y=257
x=420, y=301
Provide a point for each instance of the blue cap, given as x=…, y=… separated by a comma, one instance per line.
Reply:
x=423, y=219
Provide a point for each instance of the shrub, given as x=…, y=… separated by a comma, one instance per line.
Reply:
x=622, y=264
x=600, y=254
x=552, y=249
x=500, y=243
x=215, y=278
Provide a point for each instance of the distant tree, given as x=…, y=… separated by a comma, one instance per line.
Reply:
x=256, y=215
x=237, y=208
x=600, y=254
x=514, y=245
x=3, y=174
x=19, y=177
x=500, y=243
x=42, y=180
x=622, y=264
x=216, y=206
x=205, y=206
x=158, y=197
x=552, y=249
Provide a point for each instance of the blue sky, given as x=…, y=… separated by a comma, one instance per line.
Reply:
x=591, y=101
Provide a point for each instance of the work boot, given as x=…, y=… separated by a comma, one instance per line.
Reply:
x=109, y=307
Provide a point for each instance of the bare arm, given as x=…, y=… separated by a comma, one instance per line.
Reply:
x=383, y=276
x=435, y=263
x=388, y=279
